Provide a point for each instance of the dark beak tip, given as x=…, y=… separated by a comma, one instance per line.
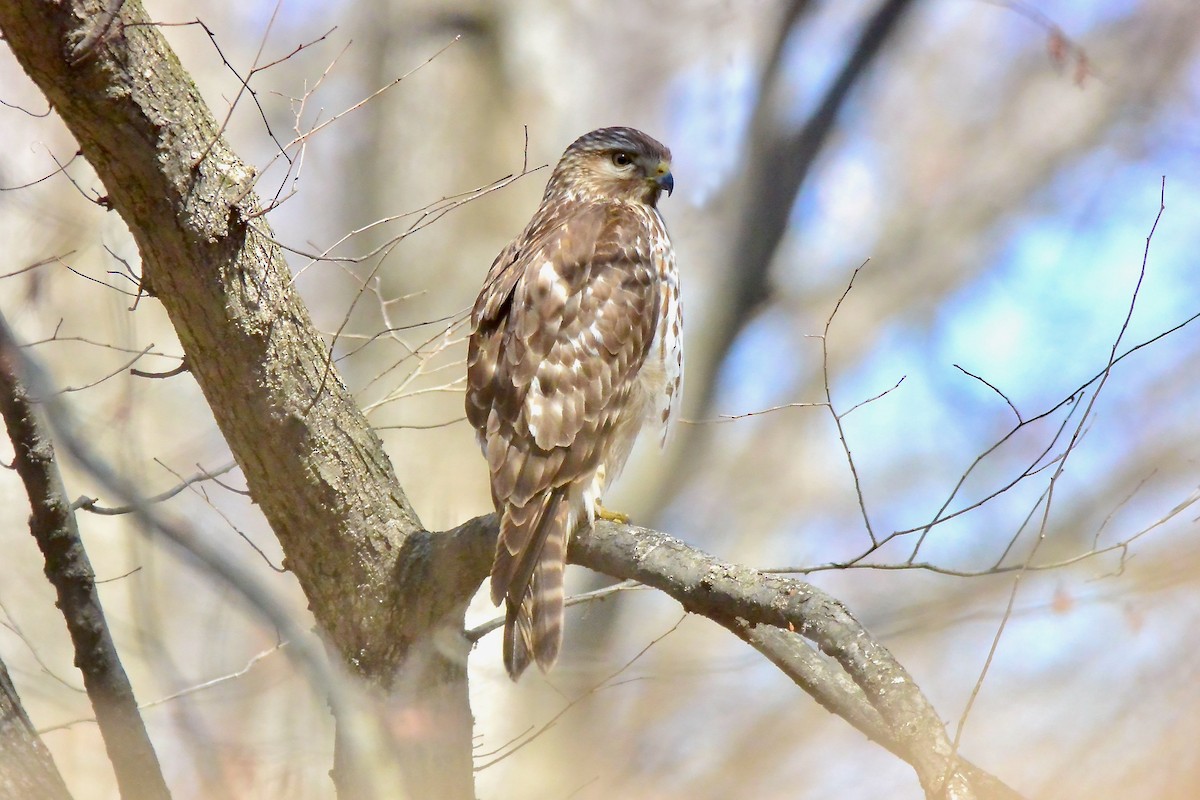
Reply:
x=667, y=182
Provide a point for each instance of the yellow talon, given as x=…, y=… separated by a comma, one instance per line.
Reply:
x=611, y=516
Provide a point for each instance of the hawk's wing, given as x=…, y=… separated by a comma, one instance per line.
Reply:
x=561, y=329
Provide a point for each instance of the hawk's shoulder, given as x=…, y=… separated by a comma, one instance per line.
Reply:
x=568, y=237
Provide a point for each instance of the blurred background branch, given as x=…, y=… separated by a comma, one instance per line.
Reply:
x=52, y=523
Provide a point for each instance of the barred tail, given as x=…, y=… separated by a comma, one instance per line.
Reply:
x=528, y=574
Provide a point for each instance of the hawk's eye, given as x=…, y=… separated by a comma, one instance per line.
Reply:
x=622, y=159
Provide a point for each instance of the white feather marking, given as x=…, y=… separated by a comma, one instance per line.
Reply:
x=549, y=290
x=533, y=416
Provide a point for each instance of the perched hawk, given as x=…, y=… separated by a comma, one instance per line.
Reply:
x=575, y=342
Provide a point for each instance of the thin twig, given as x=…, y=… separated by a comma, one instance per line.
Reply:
x=991, y=386
x=244, y=536
x=479, y=631
x=89, y=503
x=837, y=418
x=60, y=169
x=604, y=684
x=1045, y=521
x=183, y=692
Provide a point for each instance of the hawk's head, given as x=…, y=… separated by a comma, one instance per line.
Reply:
x=613, y=164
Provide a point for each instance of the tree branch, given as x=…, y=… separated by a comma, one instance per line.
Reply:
x=737, y=597
x=68, y=568
x=369, y=752
x=873, y=691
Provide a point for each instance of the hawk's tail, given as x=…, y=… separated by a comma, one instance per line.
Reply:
x=528, y=574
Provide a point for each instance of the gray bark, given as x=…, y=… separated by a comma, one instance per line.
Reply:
x=26, y=768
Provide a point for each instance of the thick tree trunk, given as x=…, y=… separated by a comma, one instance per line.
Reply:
x=311, y=461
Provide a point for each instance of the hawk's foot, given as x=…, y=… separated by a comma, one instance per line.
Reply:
x=611, y=516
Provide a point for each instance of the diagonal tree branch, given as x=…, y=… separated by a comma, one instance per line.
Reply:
x=737, y=597
x=776, y=614
x=53, y=525
x=837, y=693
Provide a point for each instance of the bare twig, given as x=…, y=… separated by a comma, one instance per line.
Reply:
x=57, y=337
x=479, y=631
x=23, y=110
x=302, y=138
x=225, y=517
x=171, y=373
x=606, y=683
x=1121, y=548
x=60, y=169
x=425, y=216
x=11, y=624
x=89, y=503
x=837, y=417
x=243, y=87
x=991, y=386
x=120, y=577
x=99, y=199
x=87, y=277
x=762, y=411
x=1043, y=529
x=432, y=426
x=127, y=366
x=199, y=687
x=37, y=264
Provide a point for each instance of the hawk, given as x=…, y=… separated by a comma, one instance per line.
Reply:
x=575, y=343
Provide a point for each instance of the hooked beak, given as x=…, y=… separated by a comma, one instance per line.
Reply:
x=663, y=177
x=666, y=183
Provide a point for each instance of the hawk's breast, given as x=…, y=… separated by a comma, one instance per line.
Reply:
x=661, y=377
